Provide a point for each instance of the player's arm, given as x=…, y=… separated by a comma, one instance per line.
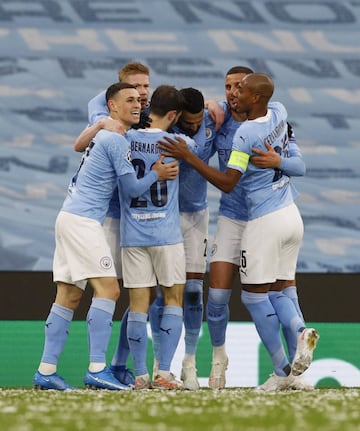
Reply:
x=216, y=112
x=97, y=108
x=160, y=171
x=85, y=137
x=293, y=165
x=178, y=148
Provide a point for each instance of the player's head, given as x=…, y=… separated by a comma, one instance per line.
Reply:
x=123, y=101
x=254, y=93
x=193, y=112
x=166, y=101
x=233, y=76
x=137, y=74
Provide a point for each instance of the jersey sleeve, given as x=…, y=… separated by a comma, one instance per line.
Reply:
x=133, y=187
x=241, y=150
x=97, y=108
x=293, y=165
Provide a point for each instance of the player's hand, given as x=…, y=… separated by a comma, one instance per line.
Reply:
x=112, y=125
x=166, y=171
x=265, y=159
x=216, y=113
x=176, y=148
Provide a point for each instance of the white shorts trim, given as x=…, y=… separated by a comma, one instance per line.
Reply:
x=194, y=227
x=81, y=250
x=271, y=246
x=227, y=241
x=148, y=266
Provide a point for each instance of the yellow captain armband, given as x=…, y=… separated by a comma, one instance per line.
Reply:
x=239, y=159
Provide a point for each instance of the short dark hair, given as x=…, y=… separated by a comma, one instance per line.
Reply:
x=239, y=69
x=166, y=98
x=194, y=100
x=115, y=88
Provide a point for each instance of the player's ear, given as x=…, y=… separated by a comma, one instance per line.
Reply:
x=172, y=115
x=110, y=104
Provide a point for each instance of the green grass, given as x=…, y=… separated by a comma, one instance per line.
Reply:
x=205, y=410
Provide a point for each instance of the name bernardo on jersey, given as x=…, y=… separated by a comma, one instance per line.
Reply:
x=144, y=147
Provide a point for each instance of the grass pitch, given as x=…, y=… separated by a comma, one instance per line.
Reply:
x=204, y=410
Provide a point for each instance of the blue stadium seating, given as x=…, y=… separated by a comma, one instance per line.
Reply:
x=56, y=55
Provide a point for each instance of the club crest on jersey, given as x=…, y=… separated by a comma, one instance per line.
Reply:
x=106, y=262
x=208, y=133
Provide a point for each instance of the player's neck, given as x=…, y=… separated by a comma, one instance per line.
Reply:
x=238, y=116
x=161, y=123
x=257, y=112
x=124, y=124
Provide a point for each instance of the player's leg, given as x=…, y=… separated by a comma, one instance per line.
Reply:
x=290, y=290
x=169, y=264
x=291, y=236
x=259, y=268
x=99, y=324
x=69, y=232
x=118, y=363
x=291, y=323
x=139, y=278
x=193, y=316
x=156, y=312
x=57, y=324
x=195, y=232
x=217, y=316
x=111, y=227
x=137, y=334
x=224, y=263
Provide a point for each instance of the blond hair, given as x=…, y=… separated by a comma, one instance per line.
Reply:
x=132, y=68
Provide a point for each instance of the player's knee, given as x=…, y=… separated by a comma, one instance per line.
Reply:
x=193, y=298
x=219, y=296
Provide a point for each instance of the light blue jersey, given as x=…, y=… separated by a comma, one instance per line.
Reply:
x=97, y=109
x=107, y=160
x=151, y=219
x=114, y=205
x=192, y=185
x=266, y=190
x=233, y=204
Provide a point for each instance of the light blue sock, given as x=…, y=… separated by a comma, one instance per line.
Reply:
x=99, y=322
x=268, y=327
x=292, y=324
x=56, y=332
x=217, y=314
x=291, y=292
x=170, y=332
x=193, y=314
x=122, y=352
x=138, y=339
x=156, y=311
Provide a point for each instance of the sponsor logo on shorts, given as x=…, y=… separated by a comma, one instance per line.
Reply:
x=106, y=262
x=213, y=250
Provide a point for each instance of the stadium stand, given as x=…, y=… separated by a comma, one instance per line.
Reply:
x=56, y=55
